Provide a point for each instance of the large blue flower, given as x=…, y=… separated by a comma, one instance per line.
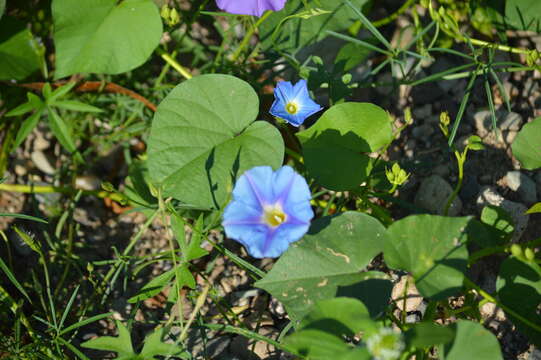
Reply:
x=269, y=210
x=250, y=7
x=293, y=103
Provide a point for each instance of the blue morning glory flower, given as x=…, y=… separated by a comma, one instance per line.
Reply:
x=250, y=7
x=293, y=103
x=269, y=210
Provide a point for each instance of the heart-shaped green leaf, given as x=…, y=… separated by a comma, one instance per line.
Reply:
x=338, y=316
x=346, y=131
x=519, y=289
x=104, y=36
x=433, y=249
x=19, y=51
x=472, y=341
x=204, y=136
x=527, y=145
x=332, y=254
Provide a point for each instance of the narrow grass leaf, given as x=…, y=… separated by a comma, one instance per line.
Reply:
x=13, y=279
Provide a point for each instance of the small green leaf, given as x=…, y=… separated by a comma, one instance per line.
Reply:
x=33, y=103
x=121, y=344
x=475, y=143
x=535, y=209
x=61, y=131
x=331, y=256
x=155, y=347
x=527, y=145
x=472, y=341
x=26, y=128
x=153, y=287
x=61, y=91
x=104, y=36
x=433, y=249
x=519, y=289
x=346, y=131
x=75, y=106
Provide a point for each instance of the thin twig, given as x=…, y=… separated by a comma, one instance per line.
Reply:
x=92, y=86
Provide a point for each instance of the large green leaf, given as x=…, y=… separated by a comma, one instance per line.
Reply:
x=523, y=14
x=425, y=334
x=104, y=36
x=527, y=144
x=345, y=131
x=317, y=345
x=297, y=32
x=2, y=7
x=203, y=136
x=338, y=316
x=472, y=341
x=332, y=255
x=433, y=249
x=519, y=289
x=19, y=52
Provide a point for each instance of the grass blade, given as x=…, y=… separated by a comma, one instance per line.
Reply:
x=13, y=280
x=369, y=26
x=462, y=108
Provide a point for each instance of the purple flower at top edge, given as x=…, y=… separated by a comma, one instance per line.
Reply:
x=293, y=103
x=250, y=7
x=269, y=210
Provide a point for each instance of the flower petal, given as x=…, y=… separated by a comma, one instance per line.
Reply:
x=250, y=7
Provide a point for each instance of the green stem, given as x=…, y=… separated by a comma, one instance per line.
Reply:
x=499, y=46
x=495, y=301
x=461, y=159
x=47, y=189
x=249, y=35
x=174, y=64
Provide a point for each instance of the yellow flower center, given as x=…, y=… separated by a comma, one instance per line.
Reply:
x=274, y=216
x=292, y=108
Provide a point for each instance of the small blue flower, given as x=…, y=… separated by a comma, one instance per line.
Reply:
x=293, y=103
x=269, y=210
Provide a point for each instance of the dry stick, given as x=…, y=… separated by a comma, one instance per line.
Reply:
x=94, y=86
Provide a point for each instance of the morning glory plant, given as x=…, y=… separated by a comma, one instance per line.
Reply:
x=269, y=210
x=250, y=7
x=293, y=103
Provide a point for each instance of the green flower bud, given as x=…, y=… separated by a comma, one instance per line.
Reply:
x=346, y=79
x=396, y=176
x=529, y=254
x=164, y=13
x=516, y=250
x=174, y=17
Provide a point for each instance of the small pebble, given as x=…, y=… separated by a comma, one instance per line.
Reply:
x=523, y=185
x=433, y=194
